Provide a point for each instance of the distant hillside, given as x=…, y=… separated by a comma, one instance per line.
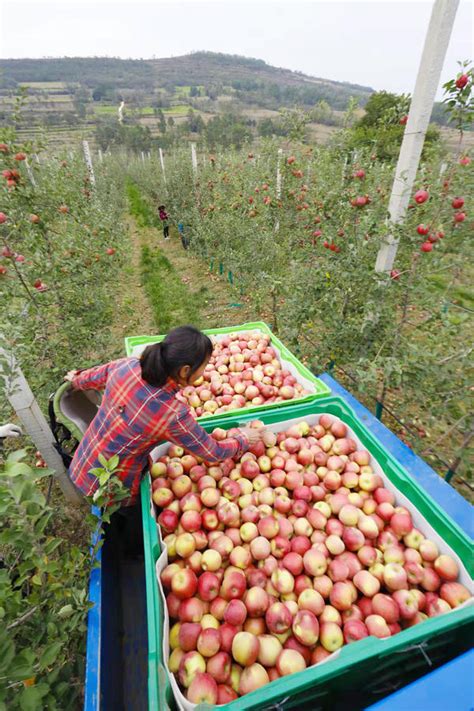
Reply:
x=65, y=100
x=254, y=78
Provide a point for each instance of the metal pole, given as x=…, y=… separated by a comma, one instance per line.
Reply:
x=22, y=400
x=429, y=72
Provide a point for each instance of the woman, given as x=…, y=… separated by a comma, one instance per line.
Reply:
x=139, y=408
x=164, y=221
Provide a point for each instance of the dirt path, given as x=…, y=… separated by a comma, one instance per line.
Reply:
x=133, y=314
x=215, y=301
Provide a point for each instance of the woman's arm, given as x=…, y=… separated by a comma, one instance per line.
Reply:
x=186, y=432
x=90, y=378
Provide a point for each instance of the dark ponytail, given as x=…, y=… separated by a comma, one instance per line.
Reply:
x=182, y=346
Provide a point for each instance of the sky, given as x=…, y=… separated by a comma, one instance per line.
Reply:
x=375, y=43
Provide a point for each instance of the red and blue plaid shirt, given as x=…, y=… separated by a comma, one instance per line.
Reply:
x=132, y=419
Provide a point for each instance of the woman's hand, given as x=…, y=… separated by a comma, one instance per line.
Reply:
x=70, y=375
x=253, y=435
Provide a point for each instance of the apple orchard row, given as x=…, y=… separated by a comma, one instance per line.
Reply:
x=279, y=559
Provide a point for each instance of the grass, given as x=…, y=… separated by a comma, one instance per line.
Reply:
x=179, y=109
x=105, y=109
x=169, y=297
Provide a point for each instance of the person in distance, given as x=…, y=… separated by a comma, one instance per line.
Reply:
x=164, y=221
x=139, y=408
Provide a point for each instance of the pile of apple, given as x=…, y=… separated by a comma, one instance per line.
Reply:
x=244, y=370
x=281, y=558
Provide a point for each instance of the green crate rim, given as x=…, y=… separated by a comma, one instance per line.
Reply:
x=350, y=655
x=321, y=389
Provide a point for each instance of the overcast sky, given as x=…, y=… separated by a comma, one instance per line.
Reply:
x=377, y=43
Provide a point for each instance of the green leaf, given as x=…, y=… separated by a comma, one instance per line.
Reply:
x=102, y=460
x=30, y=698
x=66, y=611
x=113, y=462
x=49, y=654
x=7, y=651
x=23, y=665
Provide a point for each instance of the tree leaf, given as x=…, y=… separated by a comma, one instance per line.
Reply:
x=30, y=698
x=50, y=654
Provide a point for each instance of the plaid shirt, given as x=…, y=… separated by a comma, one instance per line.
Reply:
x=132, y=419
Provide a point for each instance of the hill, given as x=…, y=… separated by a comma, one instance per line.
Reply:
x=65, y=99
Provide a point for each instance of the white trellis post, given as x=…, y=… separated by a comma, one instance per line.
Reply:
x=88, y=159
x=162, y=162
x=143, y=156
x=442, y=169
x=278, y=183
x=194, y=158
x=22, y=400
x=30, y=173
x=427, y=81
x=120, y=111
x=101, y=158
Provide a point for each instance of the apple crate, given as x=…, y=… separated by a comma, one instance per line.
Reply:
x=361, y=672
x=135, y=345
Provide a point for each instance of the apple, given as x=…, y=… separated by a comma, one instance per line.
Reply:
x=305, y=627
x=341, y=596
x=191, y=664
x=446, y=567
x=219, y=667
x=188, y=636
x=253, y=677
x=454, y=594
x=366, y=583
x=428, y=550
x=278, y=618
x=407, y=603
x=158, y=469
x=283, y=581
x=289, y=662
x=377, y=626
x=235, y=613
x=315, y=563
x=354, y=630
x=386, y=607
x=431, y=580
x=331, y=636
x=338, y=571
x=256, y=601
x=209, y=642
x=191, y=609
x=311, y=600
x=184, y=583
x=225, y=694
x=395, y=577
x=233, y=585
x=245, y=648
x=269, y=650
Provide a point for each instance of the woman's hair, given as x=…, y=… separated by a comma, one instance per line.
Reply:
x=182, y=346
x=161, y=207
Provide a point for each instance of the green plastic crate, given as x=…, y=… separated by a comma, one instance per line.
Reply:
x=379, y=666
x=320, y=388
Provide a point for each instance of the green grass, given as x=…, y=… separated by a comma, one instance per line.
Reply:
x=179, y=109
x=171, y=302
x=106, y=109
x=461, y=295
x=139, y=208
